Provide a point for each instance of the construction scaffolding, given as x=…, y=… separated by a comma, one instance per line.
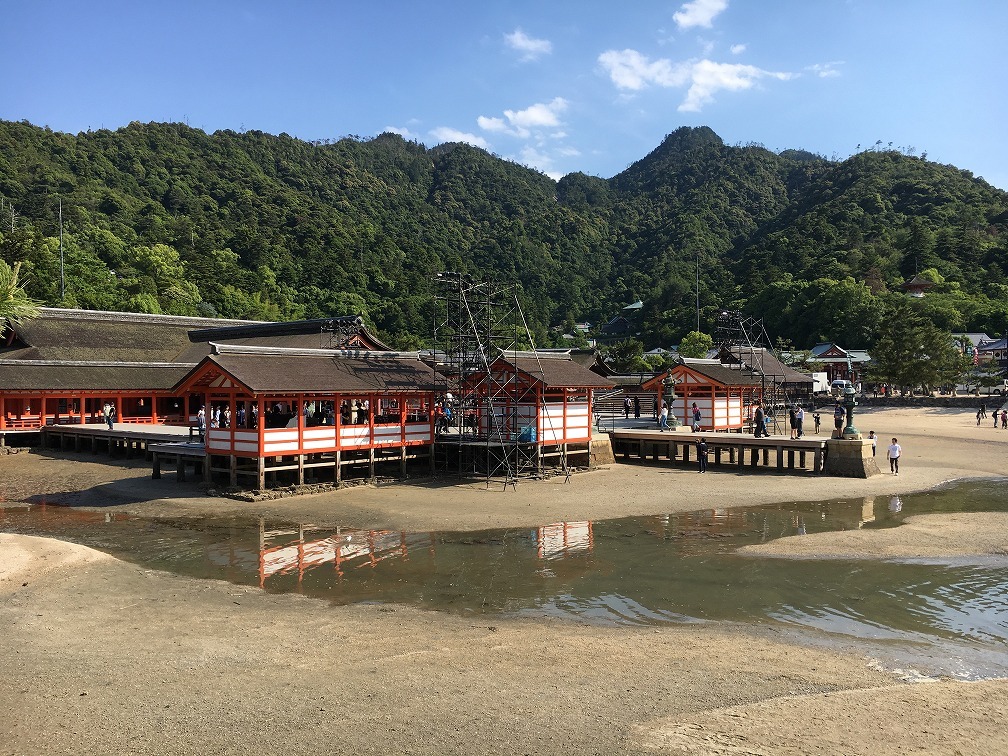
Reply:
x=338, y=333
x=488, y=429
x=747, y=341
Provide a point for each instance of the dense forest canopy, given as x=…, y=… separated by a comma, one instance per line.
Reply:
x=165, y=218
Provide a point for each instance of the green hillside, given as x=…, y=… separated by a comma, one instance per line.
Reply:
x=165, y=218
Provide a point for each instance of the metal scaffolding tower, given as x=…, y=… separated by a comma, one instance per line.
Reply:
x=476, y=322
x=747, y=340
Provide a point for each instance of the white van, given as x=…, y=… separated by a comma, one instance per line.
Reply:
x=837, y=388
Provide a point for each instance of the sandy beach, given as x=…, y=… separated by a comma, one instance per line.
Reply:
x=103, y=657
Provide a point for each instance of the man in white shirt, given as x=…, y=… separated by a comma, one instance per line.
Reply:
x=895, y=450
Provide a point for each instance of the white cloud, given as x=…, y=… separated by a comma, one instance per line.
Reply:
x=401, y=131
x=709, y=77
x=825, y=70
x=522, y=123
x=699, y=13
x=448, y=134
x=628, y=69
x=738, y=49
x=491, y=124
x=529, y=47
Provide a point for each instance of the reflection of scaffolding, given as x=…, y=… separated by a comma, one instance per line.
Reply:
x=494, y=413
x=746, y=339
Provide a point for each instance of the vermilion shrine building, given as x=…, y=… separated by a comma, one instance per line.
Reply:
x=291, y=397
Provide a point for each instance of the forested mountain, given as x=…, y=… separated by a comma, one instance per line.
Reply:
x=166, y=218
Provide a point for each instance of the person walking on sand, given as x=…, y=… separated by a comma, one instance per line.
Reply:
x=995, y=414
x=701, y=453
x=895, y=450
x=1004, y=418
x=874, y=440
x=979, y=415
x=817, y=417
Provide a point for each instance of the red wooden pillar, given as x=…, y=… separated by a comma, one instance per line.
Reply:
x=3, y=414
x=299, y=403
x=153, y=409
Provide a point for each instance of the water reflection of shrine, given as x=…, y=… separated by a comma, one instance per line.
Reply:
x=297, y=551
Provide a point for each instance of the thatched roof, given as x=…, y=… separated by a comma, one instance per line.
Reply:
x=34, y=375
x=321, y=374
x=87, y=335
x=558, y=372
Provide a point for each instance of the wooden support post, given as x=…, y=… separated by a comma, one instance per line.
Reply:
x=371, y=459
x=801, y=459
x=179, y=468
x=754, y=457
x=206, y=467
x=731, y=455
x=780, y=456
x=817, y=463
x=685, y=453
x=339, y=466
x=261, y=471
x=156, y=473
x=233, y=469
x=766, y=456
x=402, y=462
x=301, y=459
x=790, y=459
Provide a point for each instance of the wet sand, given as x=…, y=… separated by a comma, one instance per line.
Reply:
x=103, y=653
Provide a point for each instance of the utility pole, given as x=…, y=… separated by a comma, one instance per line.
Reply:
x=698, y=290
x=62, y=279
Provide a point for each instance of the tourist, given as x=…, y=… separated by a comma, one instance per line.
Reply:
x=201, y=422
x=626, y=408
x=983, y=410
x=696, y=418
x=895, y=450
x=839, y=413
x=995, y=414
x=874, y=440
x=656, y=408
x=663, y=418
x=1004, y=418
x=793, y=422
x=818, y=418
x=979, y=415
x=759, y=421
x=800, y=417
x=701, y=450
x=636, y=408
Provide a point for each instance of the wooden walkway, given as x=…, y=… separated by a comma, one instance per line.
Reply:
x=722, y=448
x=128, y=440
x=180, y=453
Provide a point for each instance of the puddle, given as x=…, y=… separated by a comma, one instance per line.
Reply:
x=946, y=617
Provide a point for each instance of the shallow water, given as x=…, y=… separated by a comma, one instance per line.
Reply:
x=940, y=616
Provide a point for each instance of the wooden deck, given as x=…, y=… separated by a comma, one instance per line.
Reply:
x=180, y=453
x=128, y=439
x=736, y=449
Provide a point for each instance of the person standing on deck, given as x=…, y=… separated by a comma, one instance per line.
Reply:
x=663, y=418
x=636, y=408
x=201, y=422
x=800, y=417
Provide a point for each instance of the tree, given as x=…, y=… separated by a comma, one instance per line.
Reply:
x=15, y=305
x=626, y=356
x=914, y=352
x=696, y=344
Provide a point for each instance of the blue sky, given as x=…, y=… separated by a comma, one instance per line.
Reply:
x=559, y=86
